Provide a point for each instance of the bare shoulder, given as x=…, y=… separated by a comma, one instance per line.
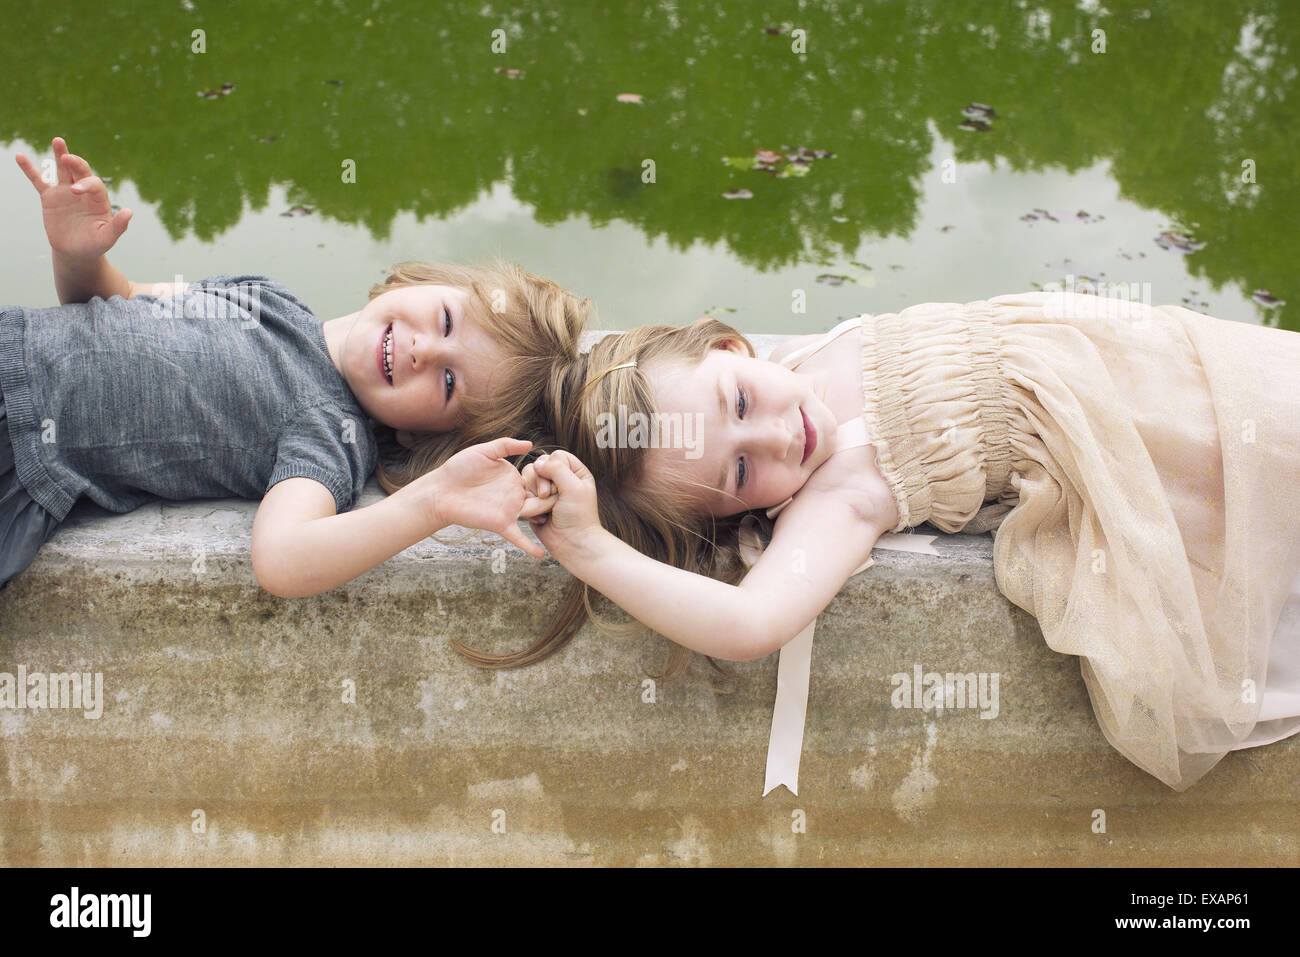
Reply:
x=790, y=345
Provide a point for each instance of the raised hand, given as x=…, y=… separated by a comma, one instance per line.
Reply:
x=79, y=221
x=477, y=488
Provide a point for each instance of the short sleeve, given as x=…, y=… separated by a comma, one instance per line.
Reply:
x=327, y=443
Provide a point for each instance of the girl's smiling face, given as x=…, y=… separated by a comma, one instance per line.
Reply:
x=765, y=429
x=436, y=348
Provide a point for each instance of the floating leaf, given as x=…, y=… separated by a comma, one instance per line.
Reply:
x=772, y=31
x=860, y=265
x=1263, y=297
x=944, y=229
x=1088, y=217
x=1180, y=243
x=740, y=162
x=976, y=126
x=768, y=156
x=267, y=139
x=979, y=111
x=793, y=169
x=713, y=309
x=738, y=194
x=629, y=97
x=334, y=82
x=226, y=90
x=509, y=72
x=299, y=211
x=839, y=219
x=833, y=279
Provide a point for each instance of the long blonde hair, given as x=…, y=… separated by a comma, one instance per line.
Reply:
x=536, y=322
x=648, y=511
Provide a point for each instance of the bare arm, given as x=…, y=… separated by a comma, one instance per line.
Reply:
x=818, y=541
x=301, y=547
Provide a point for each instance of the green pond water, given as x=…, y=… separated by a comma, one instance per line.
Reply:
x=1132, y=165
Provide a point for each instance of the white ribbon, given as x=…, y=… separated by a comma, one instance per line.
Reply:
x=794, y=664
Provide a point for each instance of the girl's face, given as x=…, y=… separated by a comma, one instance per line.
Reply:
x=414, y=353
x=764, y=429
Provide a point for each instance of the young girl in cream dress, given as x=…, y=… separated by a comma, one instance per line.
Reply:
x=1139, y=467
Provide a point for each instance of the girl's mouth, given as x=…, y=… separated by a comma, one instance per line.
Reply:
x=383, y=354
x=810, y=436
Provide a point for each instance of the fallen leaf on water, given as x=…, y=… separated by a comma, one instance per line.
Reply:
x=510, y=72
x=860, y=265
x=629, y=97
x=839, y=219
x=944, y=229
x=976, y=126
x=267, y=139
x=334, y=82
x=768, y=156
x=833, y=279
x=1178, y=242
x=979, y=111
x=738, y=194
x=299, y=211
x=1264, y=298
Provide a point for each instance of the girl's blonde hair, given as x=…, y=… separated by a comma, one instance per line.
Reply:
x=651, y=512
x=535, y=321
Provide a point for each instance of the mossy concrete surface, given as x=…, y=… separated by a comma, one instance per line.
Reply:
x=239, y=728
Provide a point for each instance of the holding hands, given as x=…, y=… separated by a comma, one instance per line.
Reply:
x=79, y=221
x=478, y=488
x=563, y=503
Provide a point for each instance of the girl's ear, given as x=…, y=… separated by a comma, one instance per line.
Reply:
x=731, y=345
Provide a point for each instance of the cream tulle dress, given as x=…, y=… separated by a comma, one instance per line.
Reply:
x=1140, y=469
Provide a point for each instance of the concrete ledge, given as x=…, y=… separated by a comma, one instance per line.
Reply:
x=222, y=698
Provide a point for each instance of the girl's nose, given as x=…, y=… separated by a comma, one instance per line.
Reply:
x=776, y=438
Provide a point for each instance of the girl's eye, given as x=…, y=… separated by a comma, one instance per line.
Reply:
x=742, y=403
x=446, y=325
x=450, y=378
x=741, y=473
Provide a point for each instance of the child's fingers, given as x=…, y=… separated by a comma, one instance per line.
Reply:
x=32, y=173
x=534, y=506
x=77, y=167
x=90, y=185
x=60, y=147
x=533, y=483
x=562, y=464
x=502, y=447
x=559, y=470
x=514, y=534
x=120, y=222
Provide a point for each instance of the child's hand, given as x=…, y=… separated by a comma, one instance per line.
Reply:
x=79, y=221
x=478, y=489
x=565, y=482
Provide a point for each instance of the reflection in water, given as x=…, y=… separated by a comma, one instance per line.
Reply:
x=625, y=113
